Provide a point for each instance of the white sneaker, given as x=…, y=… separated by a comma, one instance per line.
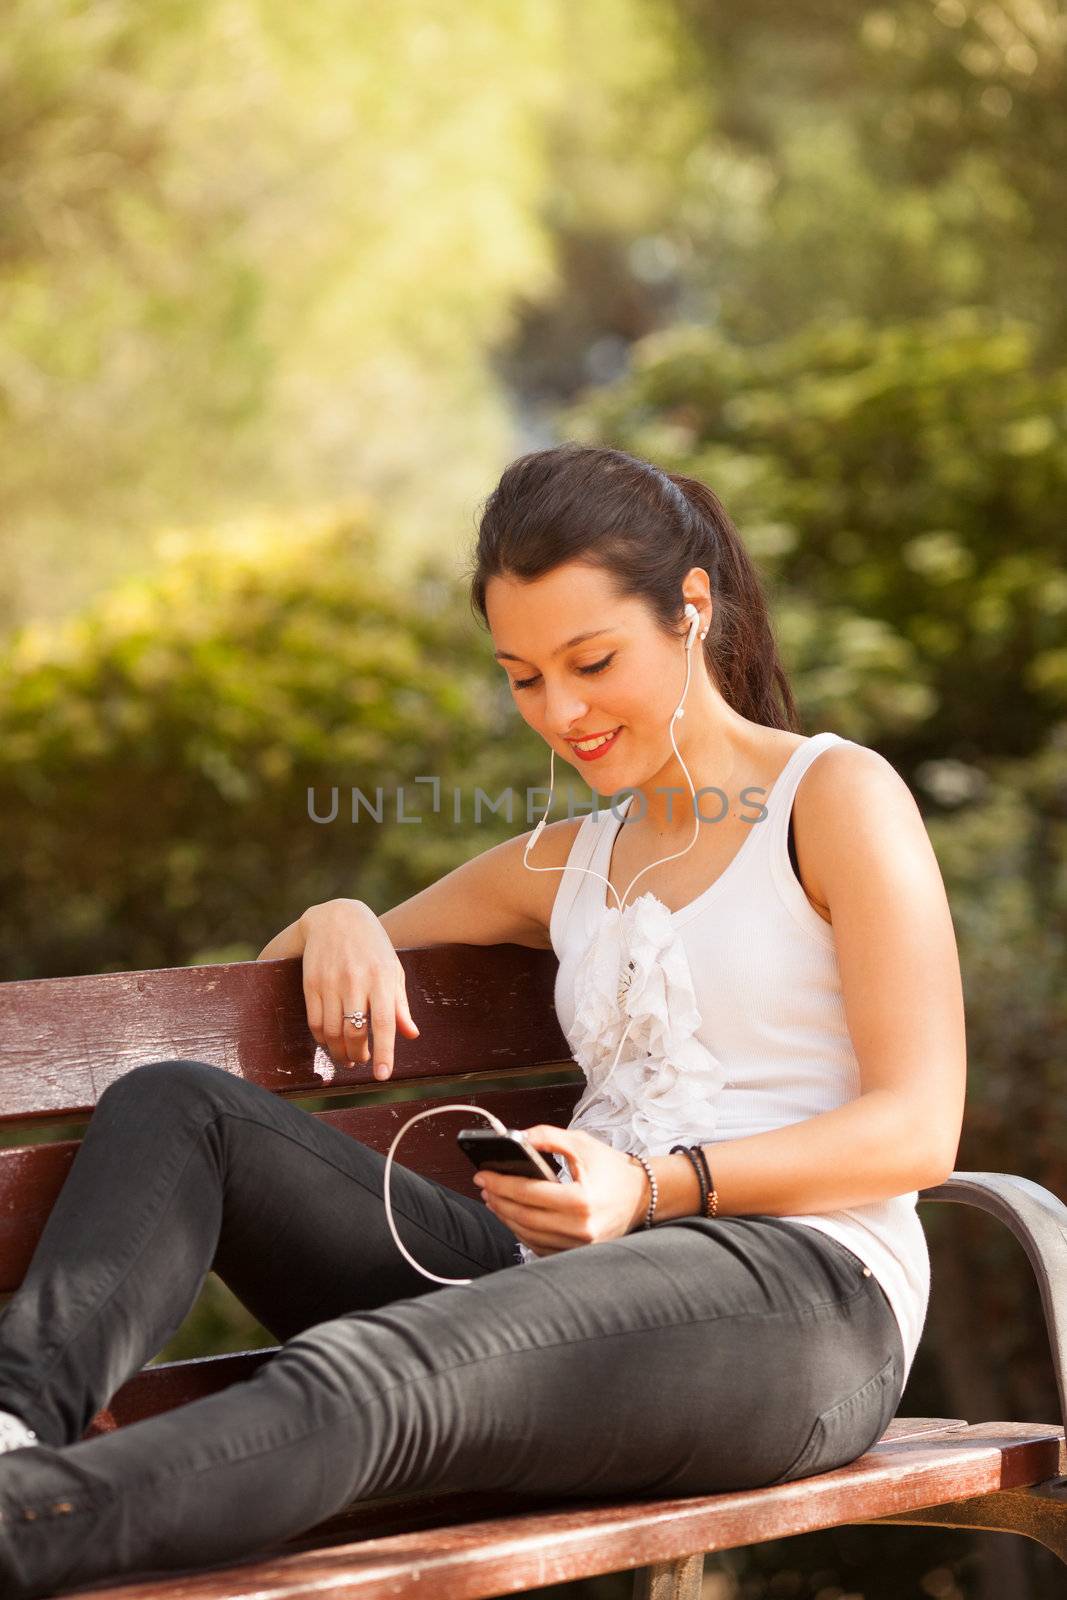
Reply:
x=14, y=1434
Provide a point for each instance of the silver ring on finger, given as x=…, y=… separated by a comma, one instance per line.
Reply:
x=358, y=1019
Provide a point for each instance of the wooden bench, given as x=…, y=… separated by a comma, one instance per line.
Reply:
x=485, y=1014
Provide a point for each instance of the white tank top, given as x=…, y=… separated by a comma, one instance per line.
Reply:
x=737, y=1020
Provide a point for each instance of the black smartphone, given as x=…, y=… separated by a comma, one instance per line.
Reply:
x=510, y=1153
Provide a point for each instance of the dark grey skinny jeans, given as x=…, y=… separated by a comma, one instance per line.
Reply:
x=697, y=1356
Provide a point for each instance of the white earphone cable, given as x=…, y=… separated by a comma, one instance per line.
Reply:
x=431, y=1112
x=679, y=711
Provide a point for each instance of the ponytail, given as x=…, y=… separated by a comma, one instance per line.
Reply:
x=740, y=649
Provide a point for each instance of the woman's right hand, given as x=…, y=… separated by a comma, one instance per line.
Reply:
x=350, y=965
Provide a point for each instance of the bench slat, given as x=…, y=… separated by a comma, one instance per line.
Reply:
x=482, y=1559
x=63, y=1040
x=388, y=1514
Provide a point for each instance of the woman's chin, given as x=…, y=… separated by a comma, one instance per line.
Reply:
x=607, y=788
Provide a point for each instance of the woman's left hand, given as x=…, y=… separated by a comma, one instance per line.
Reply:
x=603, y=1202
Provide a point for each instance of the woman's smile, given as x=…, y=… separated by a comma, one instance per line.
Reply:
x=587, y=751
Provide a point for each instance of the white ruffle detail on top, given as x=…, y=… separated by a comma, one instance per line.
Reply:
x=663, y=1088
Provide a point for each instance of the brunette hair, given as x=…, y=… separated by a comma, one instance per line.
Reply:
x=645, y=528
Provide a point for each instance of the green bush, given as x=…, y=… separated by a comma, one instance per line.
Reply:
x=905, y=490
x=157, y=752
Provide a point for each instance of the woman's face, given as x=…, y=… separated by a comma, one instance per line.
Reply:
x=624, y=680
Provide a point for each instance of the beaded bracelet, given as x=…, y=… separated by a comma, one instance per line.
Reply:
x=698, y=1167
x=652, y=1186
x=711, y=1208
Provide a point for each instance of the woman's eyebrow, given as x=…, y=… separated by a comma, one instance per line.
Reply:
x=503, y=655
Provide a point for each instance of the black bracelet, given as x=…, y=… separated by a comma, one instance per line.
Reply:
x=687, y=1150
x=711, y=1210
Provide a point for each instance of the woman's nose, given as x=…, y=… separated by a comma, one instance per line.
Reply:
x=564, y=711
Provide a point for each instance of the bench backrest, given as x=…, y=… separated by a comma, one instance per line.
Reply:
x=485, y=1012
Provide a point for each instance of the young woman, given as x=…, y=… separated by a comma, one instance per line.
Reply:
x=778, y=988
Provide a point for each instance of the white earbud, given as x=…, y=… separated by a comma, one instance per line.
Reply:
x=694, y=615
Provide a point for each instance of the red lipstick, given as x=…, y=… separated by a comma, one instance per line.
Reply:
x=601, y=749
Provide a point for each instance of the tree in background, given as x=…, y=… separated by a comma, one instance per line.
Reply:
x=258, y=258
x=881, y=161
x=157, y=751
x=906, y=487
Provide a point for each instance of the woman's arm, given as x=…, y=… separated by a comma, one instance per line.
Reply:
x=290, y=942
x=873, y=865
x=349, y=953
x=867, y=1150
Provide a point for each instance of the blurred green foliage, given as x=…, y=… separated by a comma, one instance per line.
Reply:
x=905, y=490
x=159, y=753
x=257, y=257
x=877, y=160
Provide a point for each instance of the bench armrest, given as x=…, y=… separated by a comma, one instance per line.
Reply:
x=1039, y=1221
